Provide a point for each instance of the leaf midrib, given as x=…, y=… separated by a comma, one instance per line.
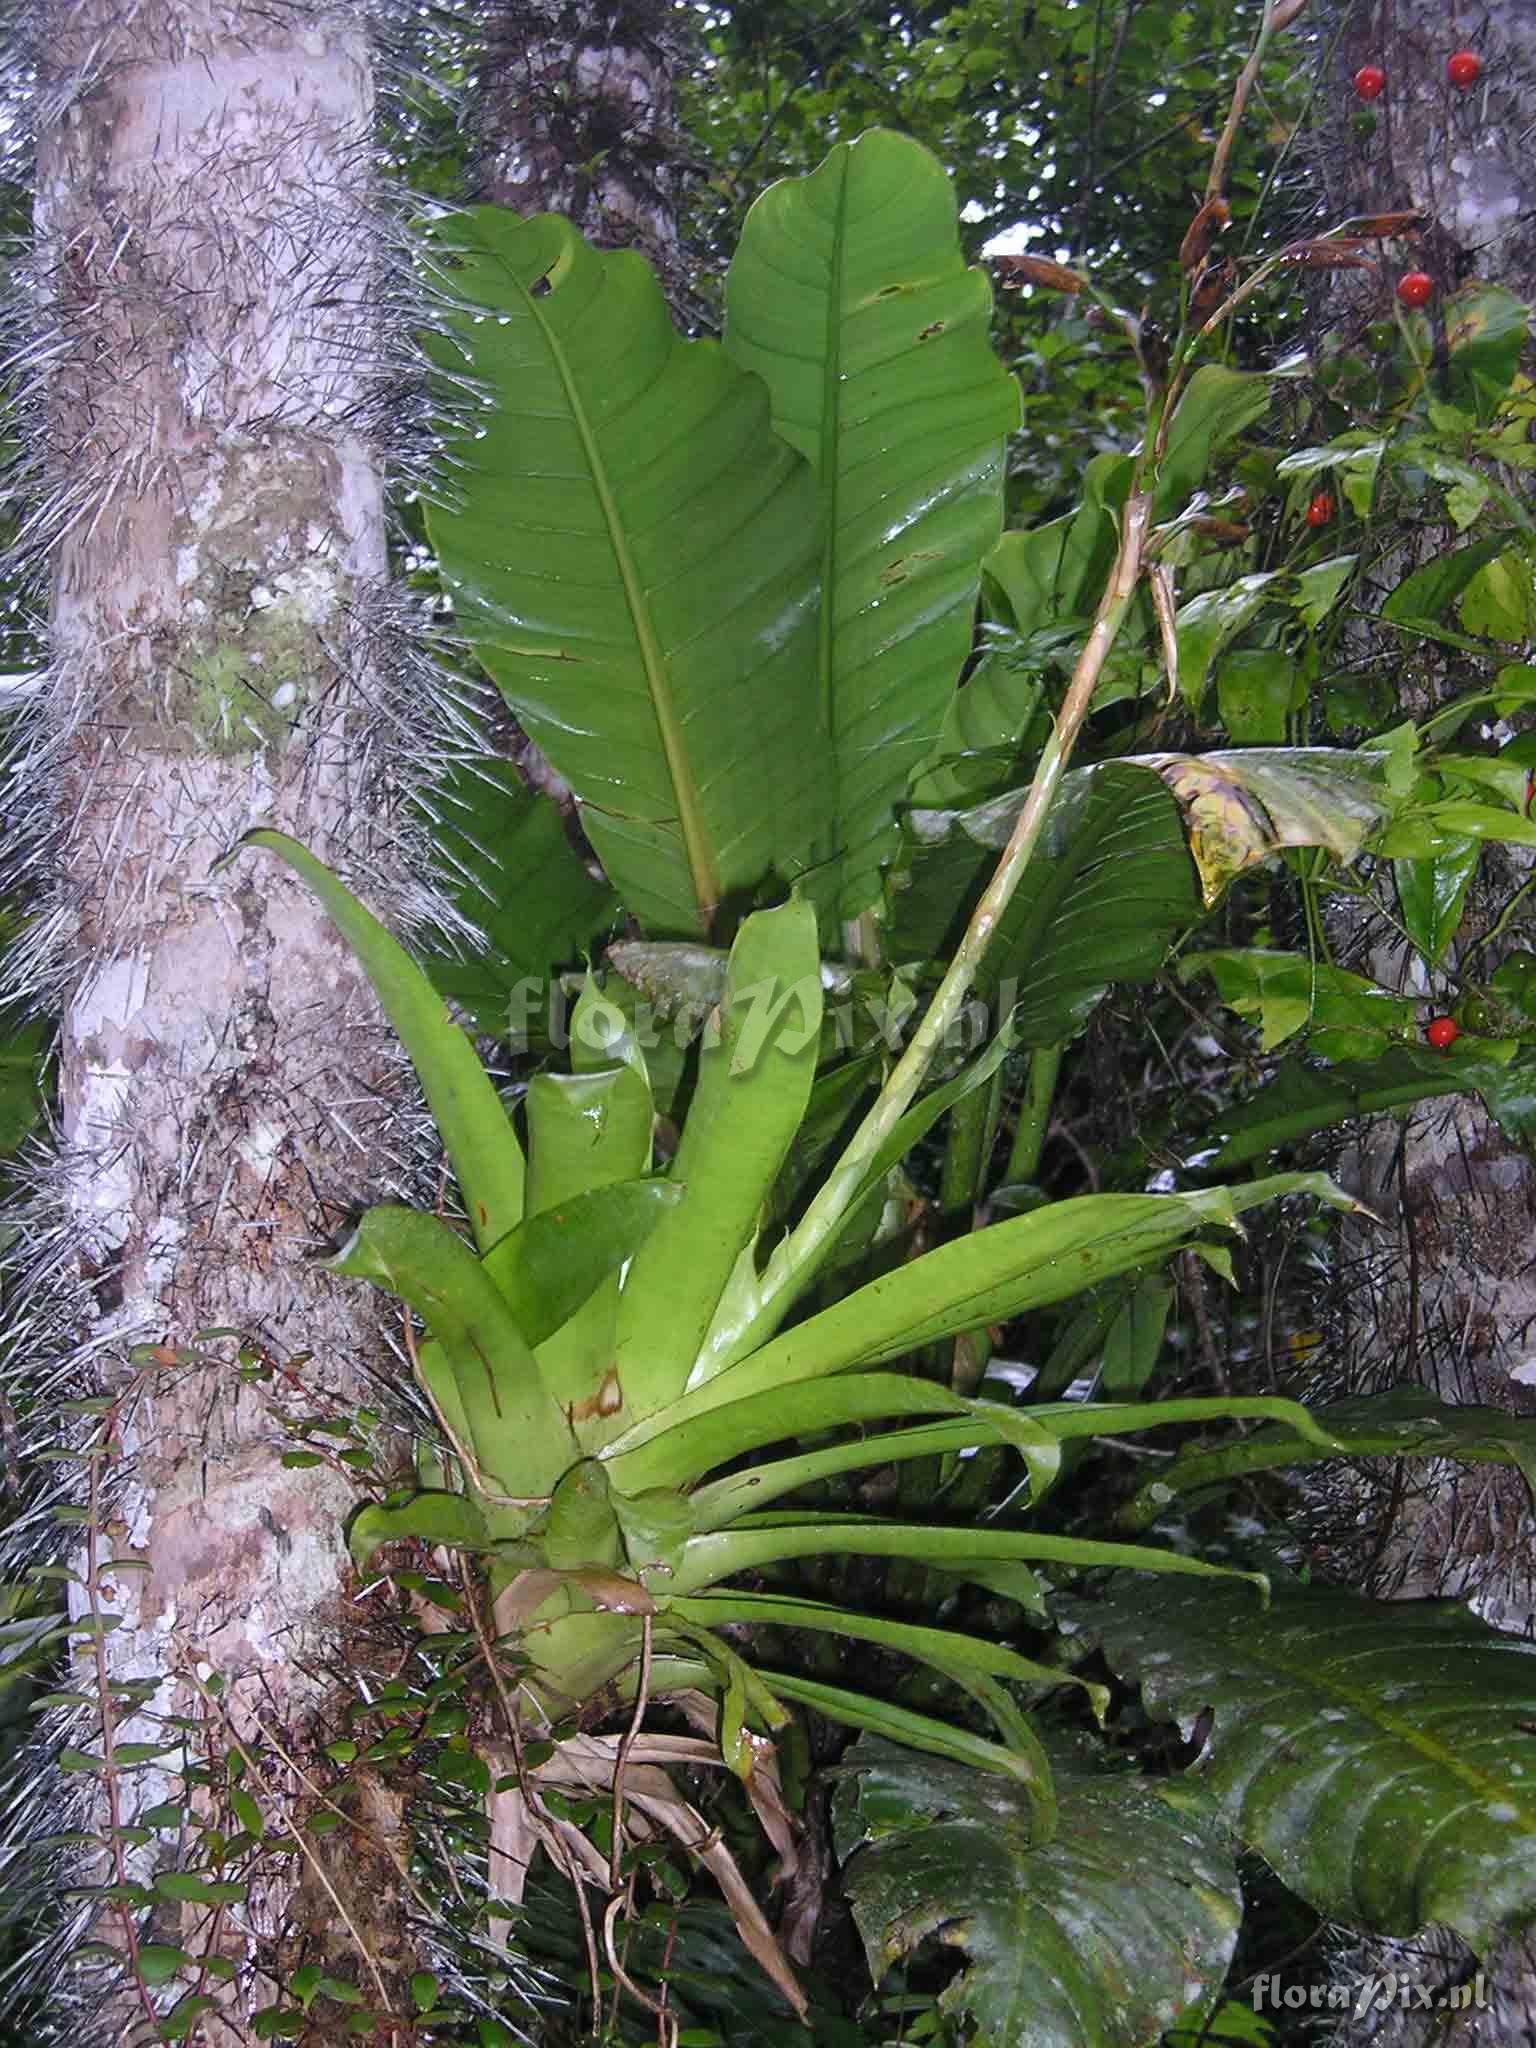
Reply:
x=705, y=878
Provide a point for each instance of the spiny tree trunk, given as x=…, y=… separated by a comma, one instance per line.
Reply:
x=206, y=261
x=1445, y=1290
x=576, y=117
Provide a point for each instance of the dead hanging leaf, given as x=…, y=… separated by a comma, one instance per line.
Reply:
x=1376, y=226
x=1339, y=254
x=1201, y=232
x=1210, y=288
x=1246, y=803
x=1054, y=277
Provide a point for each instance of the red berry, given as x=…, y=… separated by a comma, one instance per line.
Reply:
x=1371, y=81
x=1320, y=511
x=1464, y=69
x=1415, y=288
x=1442, y=1033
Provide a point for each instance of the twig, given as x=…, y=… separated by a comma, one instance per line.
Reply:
x=642, y=1699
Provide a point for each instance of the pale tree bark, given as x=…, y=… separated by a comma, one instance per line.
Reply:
x=1446, y=1290
x=206, y=266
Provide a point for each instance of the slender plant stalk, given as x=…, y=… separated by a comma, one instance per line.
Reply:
x=812, y=1237
x=964, y=1146
x=1034, y=1115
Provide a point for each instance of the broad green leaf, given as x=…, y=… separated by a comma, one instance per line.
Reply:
x=1109, y=889
x=984, y=730
x=1485, y=331
x=1217, y=405
x=429, y=1517
x=510, y=868
x=1257, y=688
x=632, y=556
x=1120, y=1928
x=754, y=1083
x=1426, y=592
x=1345, y=1016
x=991, y=1274
x=1375, y=1754
x=1431, y=896
x=849, y=296
x=159, y=1963
x=1404, y=1422
x=1207, y=622
x=1052, y=573
x=467, y=1111
x=1499, y=600
x=518, y=1435
x=549, y=1265
x=1318, y=588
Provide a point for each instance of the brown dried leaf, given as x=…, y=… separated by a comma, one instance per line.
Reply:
x=1054, y=277
x=1202, y=231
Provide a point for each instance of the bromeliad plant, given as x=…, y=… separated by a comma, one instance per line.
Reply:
x=727, y=590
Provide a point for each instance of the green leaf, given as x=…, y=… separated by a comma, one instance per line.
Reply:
x=1427, y=593
x=632, y=557
x=943, y=1648
x=1056, y=1953
x=1217, y=405
x=511, y=869
x=1257, y=688
x=1403, y=1422
x=1207, y=622
x=1345, y=1016
x=761, y=1540
x=1110, y=887
x=1304, y=1099
x=1375, y=1754
x=447, y=1518
x=754, y=1083
x=518, y=1433
x=989, y=1275
x=552, y=1262
x=468, y=1113
x=159, y=1963
x=1318, y=588
x=201, y=1891
x=1485, y=331
x=985, y=727
x=1027, y=1770
x=1432, y=894
x=586, y=1132
x=680, y=1453
x=849, y=296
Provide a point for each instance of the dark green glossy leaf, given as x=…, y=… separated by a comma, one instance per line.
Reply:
x=1119, y=1928
x=1109, y=889
x=1375, y=1753
x=511, y=869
